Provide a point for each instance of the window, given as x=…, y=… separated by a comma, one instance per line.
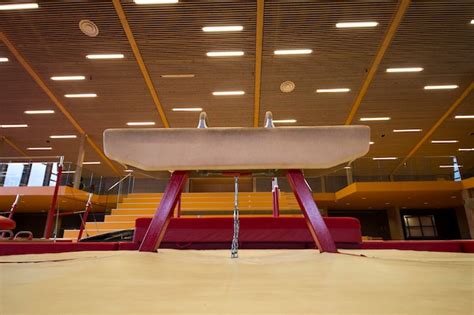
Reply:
x=420, y=226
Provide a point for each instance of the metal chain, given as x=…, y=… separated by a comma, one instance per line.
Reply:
x=234, y=253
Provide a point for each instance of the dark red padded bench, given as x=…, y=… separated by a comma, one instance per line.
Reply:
x=255, y=232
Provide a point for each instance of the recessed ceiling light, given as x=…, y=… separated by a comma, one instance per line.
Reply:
x=19, y=6
x=293, y=52
x=141, y=123
x=128, y=171
x=407, y=130
x=444, y=141
x=39, y=112
x=374, y=118
x=472, y=21
x=284, y=121
x=3, y=59
x=224, y=53
x=338, y=90
x=91, y=163
x=187, y=109
x=39, y=148
x=440, y=87
x=347, y=167
x=63, y=137
x=105, y=56
x=371, y=142
x=155, y=1
x=464, y=117
x=175, y=76
x=449, y=166
x=466, y=149
x=226, y=93
x=235, y=28
x=414, y=69
x=68, y=78
x=384, y=158
x=80, y=95
x=14, y=126
x=356, y=24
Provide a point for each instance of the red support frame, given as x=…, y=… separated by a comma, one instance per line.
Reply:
x=316, y=225
x=276, y=201
x=50, y=219
x=156, y=231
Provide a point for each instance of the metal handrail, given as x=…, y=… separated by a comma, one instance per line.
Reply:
x=119, y=181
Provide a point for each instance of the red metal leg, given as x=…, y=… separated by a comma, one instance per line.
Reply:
x=50, y=220
x=177, y=210
x=159, y=223
x=316, y=225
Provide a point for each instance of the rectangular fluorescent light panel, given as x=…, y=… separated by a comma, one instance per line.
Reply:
x=39, y=112
x=14, y=126
x=338, y=90
x=19, y=6
x=80, y=95
x=69, y=172
x=236, y=28
x=142, y=123
x=464, y=117
x=63, y=137
x=444, y=141
x=466, y=149
x=407, y=130
x=3, y=59
x=449, y=166
x=224, y=53
x=356, y=24
x=284, y=121
x=371, y=142
x=155, y=1
x=226, y=93
x=90, y=163
x=187, y=109
x=175, y=76
x=68, y=78
x=414, y=69
x=293, y=52
x=105, y=56
x=388, y=158
x=374, y=118
x=39, y=148
x=440, y=87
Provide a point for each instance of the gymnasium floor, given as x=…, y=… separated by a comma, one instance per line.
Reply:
x=260, y=281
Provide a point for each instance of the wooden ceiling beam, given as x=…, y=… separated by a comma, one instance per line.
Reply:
x=397, y=18
x=258, y=61
x=25, y=64
x=141, y=63
x=438, y=123
x=14, y=146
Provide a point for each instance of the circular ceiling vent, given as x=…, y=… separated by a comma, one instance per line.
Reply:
x=287, y=86
x=89, y=28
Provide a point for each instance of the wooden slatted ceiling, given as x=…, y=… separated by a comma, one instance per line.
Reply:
x=434, y=34
x=340, y=57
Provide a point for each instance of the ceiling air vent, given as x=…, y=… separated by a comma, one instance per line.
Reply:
x=287, y=86
x=89, y=28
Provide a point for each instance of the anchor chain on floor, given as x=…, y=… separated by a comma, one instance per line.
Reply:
x=234, y=253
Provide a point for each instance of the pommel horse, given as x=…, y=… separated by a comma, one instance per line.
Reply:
x=241, y=151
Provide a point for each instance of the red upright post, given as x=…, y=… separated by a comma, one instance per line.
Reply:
x=156, y=231
x=50, y=219
x=177, y=210
x=316, y=224
x=13, y=207
x=276, y=201
x=84, y=217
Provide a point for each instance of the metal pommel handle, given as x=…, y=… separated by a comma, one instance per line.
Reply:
x=269, y=120
x=202, y=120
